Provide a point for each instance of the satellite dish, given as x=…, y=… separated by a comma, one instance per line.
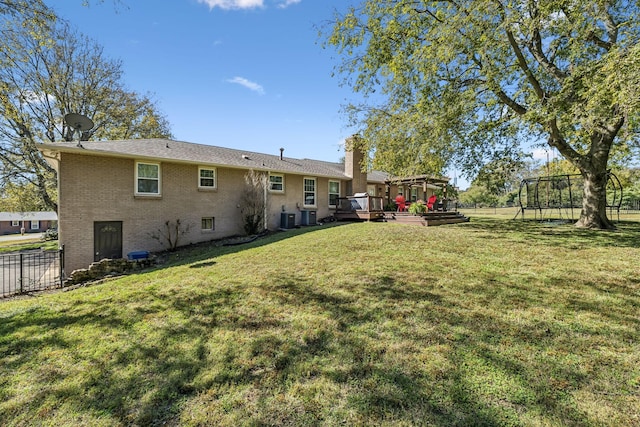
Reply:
x=79, y=123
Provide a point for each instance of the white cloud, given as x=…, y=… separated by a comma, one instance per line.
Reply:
x=539, y=153
x=545, y=154
x=233, y=4
x=287, y=3
x=31, y=97
x=244, y=4
x=248, y=84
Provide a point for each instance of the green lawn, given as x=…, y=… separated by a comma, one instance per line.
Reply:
x=36, y=243
x=489, y=323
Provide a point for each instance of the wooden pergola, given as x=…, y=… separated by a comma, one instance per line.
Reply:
x=425, y=182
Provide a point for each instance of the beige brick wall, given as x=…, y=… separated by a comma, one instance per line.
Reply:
x=292, y=200
x=94, y=188
x=354, y=158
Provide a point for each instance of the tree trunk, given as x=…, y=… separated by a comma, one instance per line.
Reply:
x=593, y=168
x=594, y=201
x=41, y=183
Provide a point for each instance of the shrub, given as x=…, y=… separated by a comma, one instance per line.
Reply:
x=50, y=234
x=254, y=202
x=417, y=207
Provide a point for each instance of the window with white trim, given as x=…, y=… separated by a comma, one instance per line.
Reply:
x=15, y=223
x=35, y=225
x=371, y=189
x=208, y=224
x=414, y=194
x=276, y=183
x=309, y=196
x=334, y=193
x=206, y=178
x=147, y=178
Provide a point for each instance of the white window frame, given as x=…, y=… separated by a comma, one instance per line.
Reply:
x=214, y=178
x=213, y=223
x=159, y=179
x=305, y=192
x=279, y=175
x=371, y=189
x=414, y=194
x=15, y=223
x=331, y=193
x=35, y=225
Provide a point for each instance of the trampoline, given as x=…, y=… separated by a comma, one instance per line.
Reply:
x=559, y=197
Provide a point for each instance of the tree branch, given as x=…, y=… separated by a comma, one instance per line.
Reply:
x=536, y=49
x=522, y=62
x=610, y=25
x=556, y=140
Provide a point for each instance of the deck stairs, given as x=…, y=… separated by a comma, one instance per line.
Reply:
x=426, y=219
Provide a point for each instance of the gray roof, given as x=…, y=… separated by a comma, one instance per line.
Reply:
x=378, y=176
x=209, y=155
x=206, y=155
x=28, y=216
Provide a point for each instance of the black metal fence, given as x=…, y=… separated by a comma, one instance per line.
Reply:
x=30, y=271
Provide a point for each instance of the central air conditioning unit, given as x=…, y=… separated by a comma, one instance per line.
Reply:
x=287, y=220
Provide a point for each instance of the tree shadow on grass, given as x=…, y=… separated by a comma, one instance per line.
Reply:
x=201, y=255
x=133, y=383
x=395, y=351
x=380, y=361
x=206, y=251
x=383, y=388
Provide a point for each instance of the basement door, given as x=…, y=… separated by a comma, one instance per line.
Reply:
x=107, y=240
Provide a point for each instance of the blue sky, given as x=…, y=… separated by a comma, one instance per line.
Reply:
x=245, y=74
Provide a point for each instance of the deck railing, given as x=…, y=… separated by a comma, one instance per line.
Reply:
x=365, y=203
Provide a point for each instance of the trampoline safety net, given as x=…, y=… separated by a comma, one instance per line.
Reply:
x=557, y=196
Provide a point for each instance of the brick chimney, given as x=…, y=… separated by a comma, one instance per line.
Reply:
x=353, y=165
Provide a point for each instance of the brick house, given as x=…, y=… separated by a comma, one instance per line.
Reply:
x=32, y=222
x=114, y=196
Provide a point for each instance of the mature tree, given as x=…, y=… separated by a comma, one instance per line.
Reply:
x=503, y=173
x=631, y=195
x=41, y=82
x=29, y=12
x=36, y=10
x=22, y=198
x=477, y=196
x=469, y=78
x=629, y=177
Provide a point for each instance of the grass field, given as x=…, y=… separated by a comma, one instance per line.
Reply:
x=545, y=214
x=27, y=244
x=488, y=323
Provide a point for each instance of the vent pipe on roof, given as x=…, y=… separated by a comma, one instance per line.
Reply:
x=281, y=151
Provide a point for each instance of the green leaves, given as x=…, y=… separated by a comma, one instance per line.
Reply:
x=464, y=81
x=44, y=78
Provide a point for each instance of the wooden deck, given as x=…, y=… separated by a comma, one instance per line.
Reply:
x=360, y=207
x=360, y=216
x=363, y=207
x=426, y=219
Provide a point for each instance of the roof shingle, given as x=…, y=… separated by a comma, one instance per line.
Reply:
x=180, y=151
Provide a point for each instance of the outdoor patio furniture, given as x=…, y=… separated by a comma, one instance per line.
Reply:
x=431, y=202
x=401, y=203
